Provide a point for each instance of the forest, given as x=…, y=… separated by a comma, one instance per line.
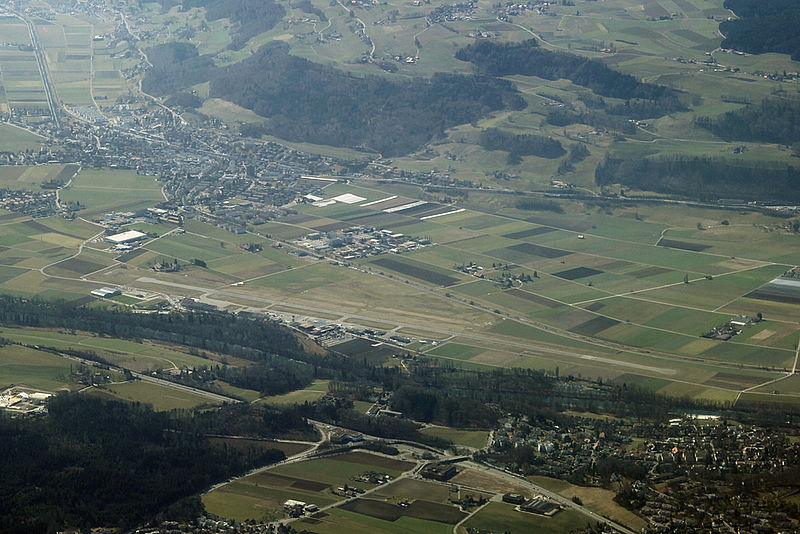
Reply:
x=704, y=178
x=773, y=121
x=254, y=340
x=643, y=100
x=91, y=462
x=251, y=17
x=763, y=26
x=521, y=145
x=305, y=101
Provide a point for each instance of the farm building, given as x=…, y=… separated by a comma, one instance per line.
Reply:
x=540, y=505
x=106, y=292
x=292, y=504
x=514, y=498
x=440, y=472
x=126, y=237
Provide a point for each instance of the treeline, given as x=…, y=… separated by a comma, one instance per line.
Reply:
x=429, y=405
x=251, y=340
x=528, y=59
x=251, y=17
x=307, y=7
x=428, y=391
x=764, y=26
x=773, y=121
x=271, y=377
x=521, y=145
x=340, y=412
x=305, y=101
x=90, y=462
x=539, y=204
x=280, y=363
x=704, y=178
x=597, y=119
x=254, y=421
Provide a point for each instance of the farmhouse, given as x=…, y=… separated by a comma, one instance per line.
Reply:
x=292, y=504
x=126, y=237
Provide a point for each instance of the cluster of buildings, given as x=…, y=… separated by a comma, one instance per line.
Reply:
x=537, y=505
x=453, y=12
x=505, y=11
x=360, y=242
x=296, y=508
x=18, y=400
x=689, y=474
x=210, y=525
x=33, y=203
x=732, y=328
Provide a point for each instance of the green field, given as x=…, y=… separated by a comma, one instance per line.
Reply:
x=14, y=139
x=159, y=397
x=101, y=191
x=338, y=520
x=137, y=356
x=35, y=369
x=311, y=393
x=502, y=517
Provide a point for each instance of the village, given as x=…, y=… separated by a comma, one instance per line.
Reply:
x=682, y=474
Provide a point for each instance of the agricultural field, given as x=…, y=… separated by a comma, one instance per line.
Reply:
x=136, y=356
x=502, y=517
x=68, y=46
x=584, y=288
x=314, y=481
x=615, y=304
x=20, y=81
x=598, y=500
x=341, y=520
